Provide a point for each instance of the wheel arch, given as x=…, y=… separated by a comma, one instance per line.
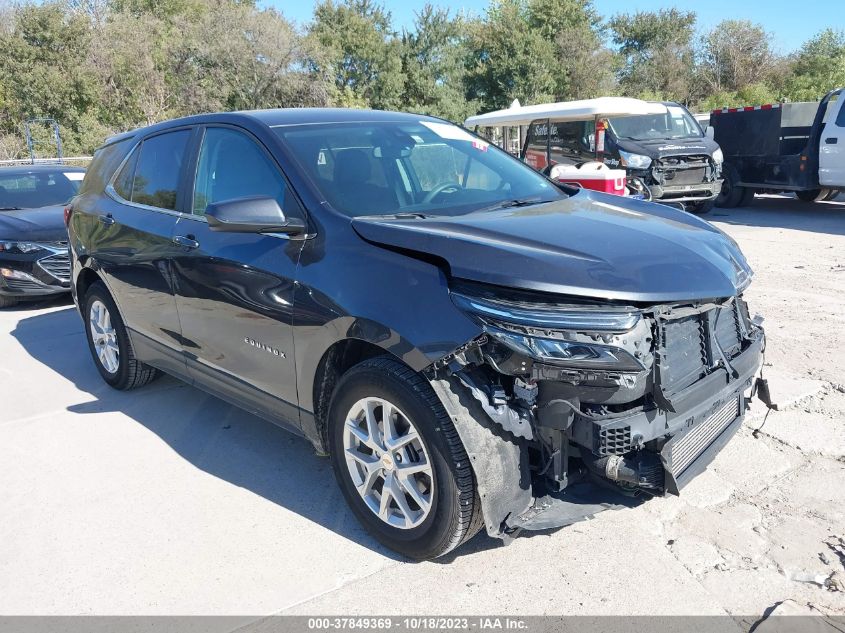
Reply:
x=87, y=276
x=340, y=357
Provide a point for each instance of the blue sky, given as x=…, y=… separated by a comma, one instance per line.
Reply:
x=788, y=25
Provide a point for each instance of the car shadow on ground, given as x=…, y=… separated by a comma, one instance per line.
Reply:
x=214, y=436
x=773, y=211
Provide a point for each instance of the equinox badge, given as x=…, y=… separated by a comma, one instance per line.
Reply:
x=259, y=345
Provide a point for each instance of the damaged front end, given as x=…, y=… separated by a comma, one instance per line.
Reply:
x=570, y=407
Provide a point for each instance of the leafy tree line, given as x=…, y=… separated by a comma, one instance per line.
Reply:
x=102, y=66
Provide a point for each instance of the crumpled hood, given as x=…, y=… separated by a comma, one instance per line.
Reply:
x=660, y=148
x=590, y=245
x=46, y=224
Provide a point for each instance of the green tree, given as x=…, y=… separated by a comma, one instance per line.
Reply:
x=507, y=59
x=735, y=54
x=750, y=94
x=361, y=53
x=657, y=51
x=583, y=67
x=433, y=56
x=818, y=67
x=43, y=73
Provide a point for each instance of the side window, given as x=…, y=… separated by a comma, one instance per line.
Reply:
x=566, y=141
x=231, y=165
x=840, y=118
x=151, y=175
x=123, y=181
x=106, y=160
x=535, y=144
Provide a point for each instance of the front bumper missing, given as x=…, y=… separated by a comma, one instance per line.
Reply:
x=684, y=457
x=686, y=193
x=683, y=440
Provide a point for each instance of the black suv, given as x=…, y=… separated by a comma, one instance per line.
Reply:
x=471, y=344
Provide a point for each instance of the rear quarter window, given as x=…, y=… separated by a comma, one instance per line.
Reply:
x=151, y=176
x=106, y=160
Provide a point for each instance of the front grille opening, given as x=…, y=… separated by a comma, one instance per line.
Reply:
x=57, y=266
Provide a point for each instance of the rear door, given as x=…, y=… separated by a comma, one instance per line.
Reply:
x=832, y=145
x=234, y=291
x=134, y=247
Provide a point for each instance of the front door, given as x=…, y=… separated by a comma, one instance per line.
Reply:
x=234, y=291
x=832, y=145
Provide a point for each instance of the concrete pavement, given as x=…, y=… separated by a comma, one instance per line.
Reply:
x=166, y=500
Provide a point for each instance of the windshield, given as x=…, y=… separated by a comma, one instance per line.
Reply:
x=29, y=190
x=422, y=168
x=676, y=123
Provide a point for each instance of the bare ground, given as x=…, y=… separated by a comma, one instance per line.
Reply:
x=167, y=501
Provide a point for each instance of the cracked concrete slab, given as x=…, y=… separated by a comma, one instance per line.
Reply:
x=750, y=464
x=816, y=426
x=787, y=389
x=791, y=616
x=582, y=560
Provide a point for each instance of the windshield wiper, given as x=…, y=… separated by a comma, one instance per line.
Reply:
x=514, y=202
x=401, y=215
x=11, y=208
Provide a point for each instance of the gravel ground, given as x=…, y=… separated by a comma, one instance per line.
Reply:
x=168, y=501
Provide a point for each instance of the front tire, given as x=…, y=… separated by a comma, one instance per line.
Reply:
x=700, y=208
x=400, y=462
x=731, y=192
x=109, y=342
x=747, y=197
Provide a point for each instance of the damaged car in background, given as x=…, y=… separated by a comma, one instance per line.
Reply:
x=473, y=345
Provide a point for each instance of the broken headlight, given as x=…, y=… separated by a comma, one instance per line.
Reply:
x=548, y=333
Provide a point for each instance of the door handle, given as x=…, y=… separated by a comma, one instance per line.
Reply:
x=187, y=241
x=831, y=141
x=107, y=219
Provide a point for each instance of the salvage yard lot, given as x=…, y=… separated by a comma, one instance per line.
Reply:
x=168, y=501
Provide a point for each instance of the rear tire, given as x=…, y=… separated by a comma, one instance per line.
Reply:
x=8, y=302
x=109, y=342
x=731, y=192
x=813, y=195
x=449, y=510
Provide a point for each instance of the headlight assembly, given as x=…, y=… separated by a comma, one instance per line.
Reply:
x=635, y=161
x=568, y=353
x=19, y=248
x=580, y=319
x=548, y=333
x=718, y=156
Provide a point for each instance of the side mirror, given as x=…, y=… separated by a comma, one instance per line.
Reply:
x=251, y=215
x=709, y=132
